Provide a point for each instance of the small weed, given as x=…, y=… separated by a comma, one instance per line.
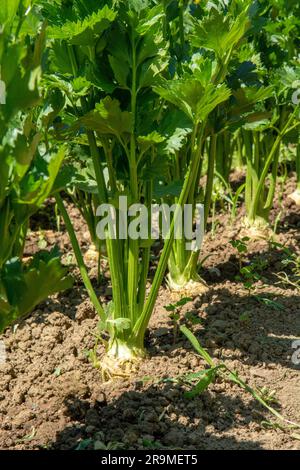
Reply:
x=241, y=246
x=152, y=444
x=250, y=272
x=28, y=437
x=268, y=395
x=174, y=314
x=57, y=372
x=244, y=317
x=248, y=276
x=200, y=381
x=290, y=260
x=99, y=445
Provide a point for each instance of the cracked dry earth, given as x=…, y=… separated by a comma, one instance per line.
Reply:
x=52, y=397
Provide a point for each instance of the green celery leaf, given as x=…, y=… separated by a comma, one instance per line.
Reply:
x=28, y=285
x=147, y=141
x=195, y=100
x=219, y=32
x=8, y=10
x=108, y=118
x=83, y=32
x=36, y=185
x=120, y=69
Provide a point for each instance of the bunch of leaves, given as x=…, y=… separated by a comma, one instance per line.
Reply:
x=25, y=285
x=28, y=168
x=105, y=73
x=277, y=32
x=221, y=33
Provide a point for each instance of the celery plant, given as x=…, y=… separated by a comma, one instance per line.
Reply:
x=262, y=149
x=120, y=115
x=275, y=45
x=214, y=39
x=121, y=142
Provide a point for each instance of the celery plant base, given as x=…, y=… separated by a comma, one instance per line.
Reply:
x=123, y=351
x=112, y=369
x=120, y=360
x=183, y=287
x=256, y=228
x=295, y=196
x=91, y=255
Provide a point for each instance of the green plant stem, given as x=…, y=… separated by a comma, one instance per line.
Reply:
x=261, y=182
x=143, y=320
x=181, y=27
x=79, y=257
x=191, y=268
x=133, y=253
x=210, y=176
x=274, y=172
x=248, y=153
x=207, y=199
x=239, y=143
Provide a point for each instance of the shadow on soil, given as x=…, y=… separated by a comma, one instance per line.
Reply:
x=233, y=326
x=267, y=263
x=159, y=417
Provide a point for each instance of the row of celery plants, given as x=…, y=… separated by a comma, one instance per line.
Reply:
x=145, y=98
x=149, y=99
x=273, y=64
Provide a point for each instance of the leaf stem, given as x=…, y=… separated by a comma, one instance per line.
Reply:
x=79, y=258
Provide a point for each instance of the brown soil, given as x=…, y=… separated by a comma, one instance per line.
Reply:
x=52, y=397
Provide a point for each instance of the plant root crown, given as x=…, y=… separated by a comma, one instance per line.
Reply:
x=258, y=229
x=120, y=362
x=295, y=196
x=189, y=289
x=91, y=255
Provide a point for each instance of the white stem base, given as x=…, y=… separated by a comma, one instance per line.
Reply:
x=120, y=351
x=91, y=255
x=295, y=196
x=256, y=229
x=186, y=288
x=120, y=360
